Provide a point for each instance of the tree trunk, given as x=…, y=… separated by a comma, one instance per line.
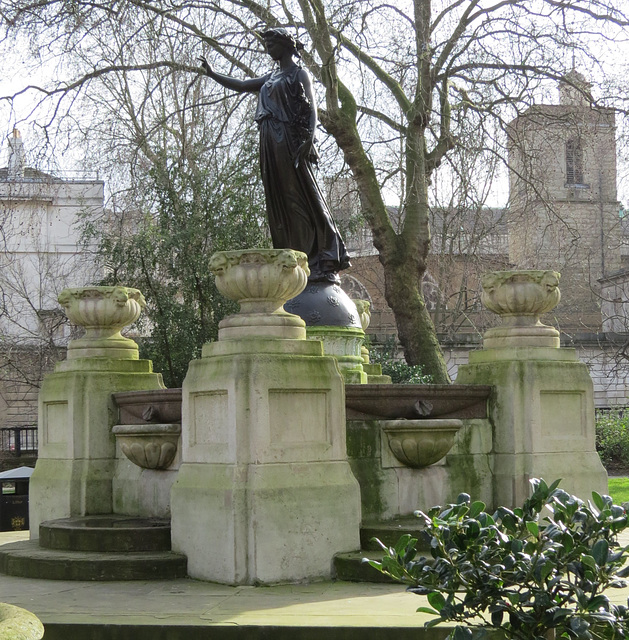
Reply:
x=416, y=330
x=403, y=256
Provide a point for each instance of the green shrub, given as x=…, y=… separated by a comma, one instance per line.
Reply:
x=401, y=373
x=516, y=571
x=612, y=438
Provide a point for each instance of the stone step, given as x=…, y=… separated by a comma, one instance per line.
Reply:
x=352, y=567
x=390, y=532
x=106, y=533
x=28, y=560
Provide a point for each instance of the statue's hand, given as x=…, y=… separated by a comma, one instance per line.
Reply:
x=205, y=64
x=306, y=151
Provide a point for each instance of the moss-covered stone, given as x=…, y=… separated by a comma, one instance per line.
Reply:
x=19, y=624
x=264, y=493
x=77, y=450
x=390, y=489
x=542, y=414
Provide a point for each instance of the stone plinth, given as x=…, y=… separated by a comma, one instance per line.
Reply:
x=373, y=370
x=264, y=493
x=76, y=462
x=542, y=410
x=344, y=344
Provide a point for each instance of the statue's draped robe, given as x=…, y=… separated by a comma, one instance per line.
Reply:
x=299, y=217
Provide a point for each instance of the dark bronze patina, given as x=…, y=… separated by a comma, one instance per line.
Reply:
x=299, y=217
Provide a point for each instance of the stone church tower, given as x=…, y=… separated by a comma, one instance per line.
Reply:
x=564, y=212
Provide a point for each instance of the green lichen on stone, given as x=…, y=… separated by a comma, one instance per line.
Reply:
x=105, y=364
x=354, y=376
x=363, y=452
x=19, y=624
x=464, y=477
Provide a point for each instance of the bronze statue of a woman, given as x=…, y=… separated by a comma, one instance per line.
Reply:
x=299, y=217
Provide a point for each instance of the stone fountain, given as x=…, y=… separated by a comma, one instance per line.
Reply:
x=252, y=471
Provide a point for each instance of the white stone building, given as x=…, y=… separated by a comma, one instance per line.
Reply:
x=40, y=254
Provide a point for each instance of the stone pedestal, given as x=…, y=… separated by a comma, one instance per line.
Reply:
x=73, y=475
x=542, y=409
x=372, y=370
x=344, y=344
x=264, y=493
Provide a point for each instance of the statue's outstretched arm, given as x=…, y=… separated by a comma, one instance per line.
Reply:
x=251, y=84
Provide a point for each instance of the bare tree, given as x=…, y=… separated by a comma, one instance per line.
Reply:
x=186, y=184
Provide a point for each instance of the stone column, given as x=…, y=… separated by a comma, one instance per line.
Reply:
x=264, y=493
x=75, y=466
x=542, y=408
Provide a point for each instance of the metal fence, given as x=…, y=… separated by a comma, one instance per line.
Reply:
x=18, y=440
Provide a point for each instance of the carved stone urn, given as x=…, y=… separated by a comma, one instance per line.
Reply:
x=520, y=298
x=420, y=443
x=102, y=312
x=261, y=281
x=150, y=446
x=363, y=307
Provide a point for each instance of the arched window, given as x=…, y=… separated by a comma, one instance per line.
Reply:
x=354, y=288
x=574, y=161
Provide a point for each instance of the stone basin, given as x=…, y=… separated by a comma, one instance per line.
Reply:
x=415, y=401
x=154, y=406
x=362, y=402
x=420, y=443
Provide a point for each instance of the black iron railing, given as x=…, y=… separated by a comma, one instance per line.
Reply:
x=18, y=440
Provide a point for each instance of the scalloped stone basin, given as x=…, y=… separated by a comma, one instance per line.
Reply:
x=420, y=443
x=415, y=401
x=150, y=446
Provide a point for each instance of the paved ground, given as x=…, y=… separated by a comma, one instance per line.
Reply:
x=191, y=609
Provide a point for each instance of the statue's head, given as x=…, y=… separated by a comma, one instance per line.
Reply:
x=277, y=37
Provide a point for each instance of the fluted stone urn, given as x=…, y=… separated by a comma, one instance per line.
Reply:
x=103, y=312
x=520, y=298
x=261, y=281
x=420, y=443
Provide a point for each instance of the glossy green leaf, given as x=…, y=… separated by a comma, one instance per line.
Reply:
x=600, y=551
x=462, y=633
x=597, y=602
x=476, y=508
x=428, y=610
x=598, y=500
x=436, y=600
x=547, y=569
